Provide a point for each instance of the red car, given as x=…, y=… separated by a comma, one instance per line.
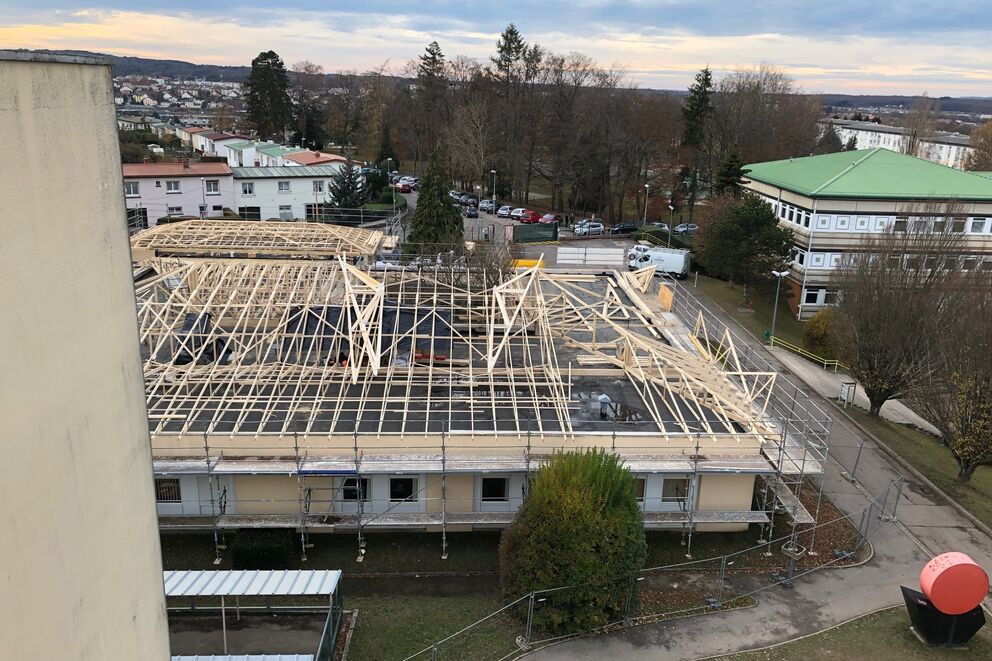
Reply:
x=404, y=188
x=530, y=217
x=549, y=218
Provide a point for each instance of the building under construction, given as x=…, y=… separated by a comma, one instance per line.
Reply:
x=291, y=388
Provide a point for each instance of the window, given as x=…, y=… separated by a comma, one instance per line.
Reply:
x=639, y=483
x=675, y=490
x=969, y=263
x=172, y=186
x=352, y=488
x=137, y=219
x=812, y=297
x=247, y=187
x=286, y=212
x=318, y=187
x=843, y=222
x=213, y=187
x=203, y=211
x=900, y=225
x=495, y=489
x=131, y=189
x=218, y=207
x=250, y=213
x=800, y=257
x=834, y=261
x=939, y=226
x=830, y=298
x=862, y=222
x=402, y=488
x=957, y=225
x=175, y=211
x=167, y=490
x=822, y=222
x=792, y=214
x=283, y=186
x=977, y=225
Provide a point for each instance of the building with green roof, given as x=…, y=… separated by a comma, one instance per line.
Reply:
x=831, y=202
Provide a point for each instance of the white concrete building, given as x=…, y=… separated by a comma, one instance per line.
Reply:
x=949, y=149
x=157, y=190
x=282, y=193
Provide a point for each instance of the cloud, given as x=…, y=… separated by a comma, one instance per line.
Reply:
x=833, y=47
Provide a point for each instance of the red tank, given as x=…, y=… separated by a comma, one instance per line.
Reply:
x=954, y=583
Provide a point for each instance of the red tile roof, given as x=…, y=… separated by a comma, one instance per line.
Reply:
x=195, y=129
x=314, y=158
x=132, y=170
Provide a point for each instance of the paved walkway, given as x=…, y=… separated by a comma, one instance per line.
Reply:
x=926, y=526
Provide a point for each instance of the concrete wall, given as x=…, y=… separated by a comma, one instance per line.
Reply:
x=79, y=554
x=267, y=494
x=732, y=493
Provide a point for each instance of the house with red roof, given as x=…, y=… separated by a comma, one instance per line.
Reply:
x=160, y=190
x=309, y=157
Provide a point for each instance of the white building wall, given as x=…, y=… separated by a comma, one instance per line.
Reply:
x=944, y=153
x=81, y=563
x=153, y=195
x=275, y=203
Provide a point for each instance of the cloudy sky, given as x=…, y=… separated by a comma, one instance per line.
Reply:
x=853, y=46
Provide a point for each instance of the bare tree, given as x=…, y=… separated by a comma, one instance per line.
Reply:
x=468, y=142
x=893, y=291
x=954, y=395
x=980, y=157
x=919, y=126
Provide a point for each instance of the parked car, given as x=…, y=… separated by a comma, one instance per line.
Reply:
x=404, y=188
x=550, y=218
x=685, y=228
x=592, y=228
x=529, y=216
x=515, y=214
x=471, y=212
x=623, y=228
x=454, y=195
x=504, y=212
x=658, y=226
x=486, y=205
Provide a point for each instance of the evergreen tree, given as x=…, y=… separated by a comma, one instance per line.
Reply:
x=829, y=142
x=728, y=178
x=386, y=150
x=267, y=95
x=852, y=143
x=346, y=189
x=695, y=113
x=436, y=222
x=744, y=244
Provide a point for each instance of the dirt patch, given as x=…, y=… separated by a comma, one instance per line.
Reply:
x=254, y=633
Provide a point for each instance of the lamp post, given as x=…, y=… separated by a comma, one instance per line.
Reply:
x=391, y=187
x=203, y=198
x=671, y=221
x=778, y=285
x=493, y=173
x=647, y=192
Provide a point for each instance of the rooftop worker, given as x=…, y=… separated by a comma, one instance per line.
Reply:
x=604, y=406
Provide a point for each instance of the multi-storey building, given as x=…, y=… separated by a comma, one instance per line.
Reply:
x=832, y=202
x=283, y=193
x=158, y=190
x=942, y=147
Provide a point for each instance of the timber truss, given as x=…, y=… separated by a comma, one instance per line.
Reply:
x=248, y=238
x=269, y=352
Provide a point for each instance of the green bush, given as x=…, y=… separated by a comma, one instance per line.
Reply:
x=818, y=333
x=580, y=526
x=262, y=549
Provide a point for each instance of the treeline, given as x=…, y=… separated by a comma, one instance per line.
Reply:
x=559, y=131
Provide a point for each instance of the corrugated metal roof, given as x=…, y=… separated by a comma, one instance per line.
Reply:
x=246, y=657
x=197, y=583
x=286, y=171
x=278, y=150
x=244, y=144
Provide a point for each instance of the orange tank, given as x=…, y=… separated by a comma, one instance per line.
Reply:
x=954, y=583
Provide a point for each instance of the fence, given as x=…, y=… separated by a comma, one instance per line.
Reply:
x=812, y=357
x=581, y=256
x=720, y=582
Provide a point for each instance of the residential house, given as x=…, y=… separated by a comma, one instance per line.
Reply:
x=273, y=155
x=242, y=153
x=307, y=157
x=283, y=193
x=186, y=133
x=942, y=147
x=159, y=190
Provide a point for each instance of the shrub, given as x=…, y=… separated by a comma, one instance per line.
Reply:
x=262, y=549
x=579, y=526
x=818, y=333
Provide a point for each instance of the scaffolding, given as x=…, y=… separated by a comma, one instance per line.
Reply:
x=327, y=371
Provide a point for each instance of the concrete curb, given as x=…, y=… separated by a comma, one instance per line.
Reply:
x=909, y=468
x=351, y=632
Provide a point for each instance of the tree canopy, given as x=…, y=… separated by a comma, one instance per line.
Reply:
x=729, y=176
x=980, y=158
x=267, y=95
x=579, y=526
x=346, y=189
x=436, y=221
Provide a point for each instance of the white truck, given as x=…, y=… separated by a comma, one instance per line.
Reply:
x=673, y=262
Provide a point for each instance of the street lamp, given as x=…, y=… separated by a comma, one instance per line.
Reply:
x=203, y=197
x=493, y=173
x=391, y=187
x=647, y=192
x=778, y=285
x=671, y=221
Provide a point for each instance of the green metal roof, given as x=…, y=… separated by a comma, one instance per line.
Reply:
x=277, y=150
x=286, y=171
x=871, y=174
x=246, y=144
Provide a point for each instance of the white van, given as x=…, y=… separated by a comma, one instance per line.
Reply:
x=666, y=261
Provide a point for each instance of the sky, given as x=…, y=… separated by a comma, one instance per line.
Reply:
x=841, y=46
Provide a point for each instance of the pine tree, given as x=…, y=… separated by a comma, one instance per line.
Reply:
x=728, y=178
x=267, y=95
x=695, y=113
x=386, y=150
x=436, y=223
x=346, y=189
x=829, y=142
x=852, y=143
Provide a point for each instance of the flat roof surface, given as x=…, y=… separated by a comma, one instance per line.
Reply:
x=871, y=174
x=256, y=583
x=285, y=171
x=245, y=657
x=134, y=170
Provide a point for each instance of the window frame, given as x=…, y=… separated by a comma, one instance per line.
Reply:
x=248, y=188
x=137, y=189
x=173, y=190
x=280, y=189
x=173, y=211
x=212, y=186
x=164, y=485
x=359, y=485
x=412, y=498
x=505, y=498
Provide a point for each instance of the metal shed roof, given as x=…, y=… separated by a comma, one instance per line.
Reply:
x=246, y=657
x=285, y=171
x=195, y=583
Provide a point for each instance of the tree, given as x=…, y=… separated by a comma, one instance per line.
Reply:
x=267, y=95
x=893, y=294
x=728, y=178
x=386, y=152
x=919, y=126
x=851, y=144
x=980, y=158
x=695, y=115
x=346, y=189
x=579, y=526
x=309, y=85
x=222, y=120
x=436, y=222
x=954, y=394
x=829, y=142
x=743, y=243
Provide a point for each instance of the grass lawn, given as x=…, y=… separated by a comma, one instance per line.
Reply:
x=729, y=298
x=882, y=635
x=394, y=627
x=933, y=460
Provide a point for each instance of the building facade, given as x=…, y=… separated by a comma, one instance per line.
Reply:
x=951, y=149
x=831, y=203
x=283, y=193
x=160, y=190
